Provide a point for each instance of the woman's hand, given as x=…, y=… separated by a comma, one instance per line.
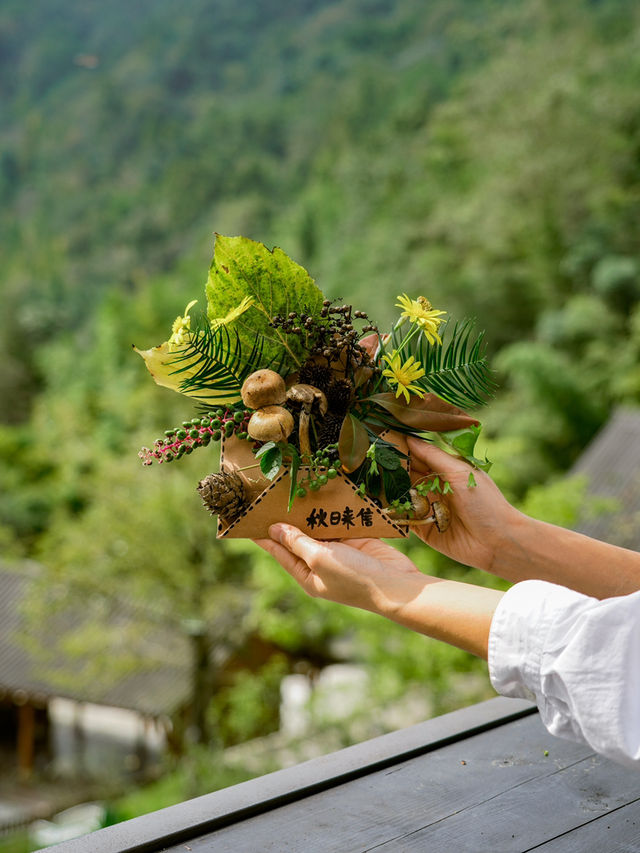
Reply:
x=365, y=573
x=370, y=574
x=481, y=518
x=488, y=533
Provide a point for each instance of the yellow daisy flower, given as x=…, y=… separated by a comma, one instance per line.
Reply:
x=181, y=328
x=403, y=375
x=421, y=312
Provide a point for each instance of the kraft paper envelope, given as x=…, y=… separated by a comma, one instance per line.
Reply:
x=333, y=512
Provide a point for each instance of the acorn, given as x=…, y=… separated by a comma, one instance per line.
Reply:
x=223, y=494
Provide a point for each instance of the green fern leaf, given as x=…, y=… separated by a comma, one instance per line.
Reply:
x=457, y=370
x=214, y=364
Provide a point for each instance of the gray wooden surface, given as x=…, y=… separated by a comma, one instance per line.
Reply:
x=512, y=788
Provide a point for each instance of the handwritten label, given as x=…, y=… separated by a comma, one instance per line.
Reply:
x=348, y=517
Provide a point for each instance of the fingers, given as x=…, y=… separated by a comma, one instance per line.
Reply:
x=427, y=457
x=296, y=567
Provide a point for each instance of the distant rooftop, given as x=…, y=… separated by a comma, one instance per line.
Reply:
x=155, y=690
x=612, y=465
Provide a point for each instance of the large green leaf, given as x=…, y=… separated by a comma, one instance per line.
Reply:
x=242, y=267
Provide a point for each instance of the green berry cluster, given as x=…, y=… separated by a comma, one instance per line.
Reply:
x=324, y=466
x=198, y=432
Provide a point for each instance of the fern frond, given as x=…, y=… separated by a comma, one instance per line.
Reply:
x=457, y=370
x=214, y=364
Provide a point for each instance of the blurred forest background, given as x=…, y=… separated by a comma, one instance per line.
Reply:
x=484, y=153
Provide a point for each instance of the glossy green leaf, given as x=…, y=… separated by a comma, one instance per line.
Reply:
x=271, y=462
x=353, y=443
x=429, y=413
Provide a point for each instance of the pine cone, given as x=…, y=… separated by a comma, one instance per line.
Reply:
x=312, y=373
x=329, y=430
x=223, y=494
x=339, y=395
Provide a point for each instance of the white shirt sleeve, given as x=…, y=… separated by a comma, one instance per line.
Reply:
x=577, y=658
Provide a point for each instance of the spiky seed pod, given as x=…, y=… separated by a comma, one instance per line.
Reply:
x=318, y=375
x=329, y=429
x=223, y=494
x=339, y=395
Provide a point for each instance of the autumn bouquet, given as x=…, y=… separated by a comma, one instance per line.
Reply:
x=311, y=403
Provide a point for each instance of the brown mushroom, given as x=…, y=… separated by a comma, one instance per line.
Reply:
x=263, y=388
x=422, y=512
x=307, y=396
x=270, y=423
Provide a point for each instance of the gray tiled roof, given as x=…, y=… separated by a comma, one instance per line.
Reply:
x=157, y=688
x=611, y=464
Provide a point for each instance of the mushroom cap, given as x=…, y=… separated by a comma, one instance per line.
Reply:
x=270, y=423
x=419, y=504
x=441, y=515
x=263, y=388
x=306, y=395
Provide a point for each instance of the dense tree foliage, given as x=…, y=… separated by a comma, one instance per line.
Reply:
x=483, y=153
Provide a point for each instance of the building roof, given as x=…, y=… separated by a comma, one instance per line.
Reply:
x=159, y=686
x=611, y=464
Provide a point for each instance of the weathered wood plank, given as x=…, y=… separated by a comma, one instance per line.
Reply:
x=531, y=814
x=397, y=808
x=617, y=832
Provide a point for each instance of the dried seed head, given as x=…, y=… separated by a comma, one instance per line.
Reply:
x=223, y=494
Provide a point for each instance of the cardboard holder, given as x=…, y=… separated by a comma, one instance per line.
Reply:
x=335, y=511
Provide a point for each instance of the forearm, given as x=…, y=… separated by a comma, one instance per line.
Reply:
x=531, y=549
x=457, y=613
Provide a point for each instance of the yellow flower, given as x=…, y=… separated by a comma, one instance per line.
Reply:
x=161, y=360
x=236, y=312
x=420, y=312
x=403, y=375
x=181, y=328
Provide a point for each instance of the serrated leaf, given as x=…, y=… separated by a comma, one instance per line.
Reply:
x=396, y=484
x=387, y=458
x=373, y=483
x=461, y=443
x=277, y=285
x=353, y=443
x=271, y=462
